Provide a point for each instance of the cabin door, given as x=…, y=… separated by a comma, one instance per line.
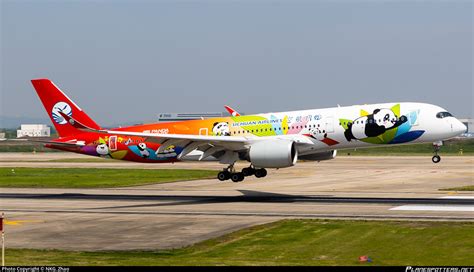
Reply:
x=329, y=124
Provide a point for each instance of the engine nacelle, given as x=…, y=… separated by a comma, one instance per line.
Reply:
x=323, y=156
x=273, y=154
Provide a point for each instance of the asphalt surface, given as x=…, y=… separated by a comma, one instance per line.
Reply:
x=178, y=214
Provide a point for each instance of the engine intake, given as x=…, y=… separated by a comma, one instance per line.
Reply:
x=273, y=154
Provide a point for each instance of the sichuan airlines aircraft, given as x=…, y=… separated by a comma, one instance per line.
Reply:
x=270, y=140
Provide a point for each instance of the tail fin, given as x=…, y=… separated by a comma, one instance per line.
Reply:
x=55, y=101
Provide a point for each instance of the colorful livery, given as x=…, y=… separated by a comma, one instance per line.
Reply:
x=269, y=140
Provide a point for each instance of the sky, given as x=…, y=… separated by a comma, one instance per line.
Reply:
x=127, y=61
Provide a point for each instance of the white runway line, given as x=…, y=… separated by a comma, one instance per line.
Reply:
x=449, y=208
x=443, y=208
x=458, y=197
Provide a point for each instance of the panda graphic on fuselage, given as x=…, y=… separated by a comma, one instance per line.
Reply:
x=102, y=150
x=221, y=129
x=318, y=131
x=143, y=150
x=373, y=125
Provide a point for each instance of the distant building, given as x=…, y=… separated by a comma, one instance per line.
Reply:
x=2, y=136
x=34, y=130
x=171, y=117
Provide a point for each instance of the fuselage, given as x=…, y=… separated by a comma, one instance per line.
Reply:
x=328, y=129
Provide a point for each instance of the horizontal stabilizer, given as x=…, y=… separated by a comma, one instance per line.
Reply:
x=71, y=144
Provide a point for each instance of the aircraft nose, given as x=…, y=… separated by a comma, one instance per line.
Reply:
x=459, y=127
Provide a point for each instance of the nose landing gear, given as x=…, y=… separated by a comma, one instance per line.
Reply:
x=436, y=147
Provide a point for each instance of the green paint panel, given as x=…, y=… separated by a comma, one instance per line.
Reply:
x=259, y=126
x=344, y=122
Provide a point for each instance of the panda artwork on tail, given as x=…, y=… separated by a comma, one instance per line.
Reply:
x=373, y=125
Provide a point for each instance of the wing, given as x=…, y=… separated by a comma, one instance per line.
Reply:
x=209, y=145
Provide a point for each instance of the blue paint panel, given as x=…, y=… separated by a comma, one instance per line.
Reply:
x=404, y=128
x=407, y=137
x=153, y=156
x=412, y=116
x=275, y=125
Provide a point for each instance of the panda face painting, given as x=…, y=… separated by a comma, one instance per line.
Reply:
x=102, y=149
x=373, y=125
x=221, y=129
x=385, y=118
x=143, y=150
x=318, y=132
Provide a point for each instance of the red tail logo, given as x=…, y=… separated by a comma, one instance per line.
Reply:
x=55, y=102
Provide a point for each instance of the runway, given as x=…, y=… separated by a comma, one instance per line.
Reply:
x=247, y=196
x=177, y=214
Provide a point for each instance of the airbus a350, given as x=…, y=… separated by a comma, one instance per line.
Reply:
x=267, y=140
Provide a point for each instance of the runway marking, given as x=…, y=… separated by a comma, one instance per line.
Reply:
x=458, y=197
x=263, y=214
x=20, y=222
x=450, y=208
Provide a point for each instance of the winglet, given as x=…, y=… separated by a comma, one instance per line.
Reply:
x=231, y=111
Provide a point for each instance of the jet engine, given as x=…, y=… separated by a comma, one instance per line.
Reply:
x=273, y=154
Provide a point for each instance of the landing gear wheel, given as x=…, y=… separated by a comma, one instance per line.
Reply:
x=436, y=147
x=248, y=171
x=260, y=173
x=237, y=177
x=223, y=175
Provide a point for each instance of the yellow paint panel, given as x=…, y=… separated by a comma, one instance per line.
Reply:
x=119, y=154
x=396, y=109
x=181, y=127
x=20, y=222
x=284, y=124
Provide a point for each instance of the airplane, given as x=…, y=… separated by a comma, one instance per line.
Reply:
x=268, y=140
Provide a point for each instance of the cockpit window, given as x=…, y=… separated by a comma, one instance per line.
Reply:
x=443, y=114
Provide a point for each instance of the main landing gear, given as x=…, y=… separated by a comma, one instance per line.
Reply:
x=436, y=147
x=229, y=173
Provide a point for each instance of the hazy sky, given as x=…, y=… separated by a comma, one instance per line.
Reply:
x=129, y=60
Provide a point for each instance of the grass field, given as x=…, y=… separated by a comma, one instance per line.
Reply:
x=94, y=177
x=295, y=242
x=452, y=147
x=87, y=159
x=462, y=188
